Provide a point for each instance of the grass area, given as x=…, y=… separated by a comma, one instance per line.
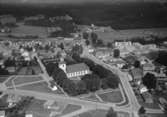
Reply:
x=153, y=105
x=3, y=101
x=22, y=80
x=123, y=114
x=94, y=113
x=130, y=34
x=40, y=87
x=32, y=70
x=29, y=30
x=114, y=97
x=37, y=109
x=3, y=78
x=61, y=106
x=156, y=115
x=92, y=97
x=70, y=108
x=9, y=82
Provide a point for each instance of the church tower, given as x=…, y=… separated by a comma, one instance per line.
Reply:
x=62, y=64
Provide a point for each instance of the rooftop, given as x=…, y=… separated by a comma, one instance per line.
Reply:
x=77, y=67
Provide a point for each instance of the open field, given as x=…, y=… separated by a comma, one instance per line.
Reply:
x=94, y=113
x=23, y=30
x=153, y=105
x=37, y=109
x=32, y=70
x=101, y=113
x=70, y=108
x=91, y=97
x=131, y=33
x=114, y=97
x=3, y=78
x=156, y=115
x=22, y=79
x=40, y=87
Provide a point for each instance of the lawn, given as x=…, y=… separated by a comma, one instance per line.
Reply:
x=94, y=113
x=32, y=70
x=92, y=97
x=22, y=80
x=37, y=109
x=9, y=82
x=153, y=105
x=40, y=87
x=70, y=108
x=156, y=115
x=3, y=78
x=114, y=97
x=123, y=114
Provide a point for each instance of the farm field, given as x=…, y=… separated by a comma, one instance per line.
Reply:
x=131, y=33
x=22, y=30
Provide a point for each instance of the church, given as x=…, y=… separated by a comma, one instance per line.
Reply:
x=75, y=71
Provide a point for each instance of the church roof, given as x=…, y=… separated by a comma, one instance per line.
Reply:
x=77, y=67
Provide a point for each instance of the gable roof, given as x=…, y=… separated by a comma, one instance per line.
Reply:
x=137, y=73
x=77, y=67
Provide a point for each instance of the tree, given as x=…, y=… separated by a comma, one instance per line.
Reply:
x=87, y=42
x=92, y=82
x=81, y=87
x=69, y=87
x=59, y=76
x=85, y=35
x=77, y=49
x=99, y=42
x=137, y=64
x=141, y=111
x=61, y=46
x=116, y=53
x=149, y=80
x=50, y=68
x=94, y=36
x=112, y=81
x=100, y=71
x=109, y=45
x=111, y=113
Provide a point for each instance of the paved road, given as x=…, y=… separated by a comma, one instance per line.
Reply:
x=132, y=107
x=133, y=102
x=69, y=100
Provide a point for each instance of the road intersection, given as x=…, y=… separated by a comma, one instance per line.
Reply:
x=131, y=107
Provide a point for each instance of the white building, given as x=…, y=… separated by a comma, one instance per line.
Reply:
x=2, y=113
x=75, y=70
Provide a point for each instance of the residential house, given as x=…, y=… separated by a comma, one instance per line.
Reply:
x=2, y=113
x=148, y=67
x=136, y=74
x=117, y=62
x=102, y=53
x=130, y=59
x=28, y=114
x=74, y=71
